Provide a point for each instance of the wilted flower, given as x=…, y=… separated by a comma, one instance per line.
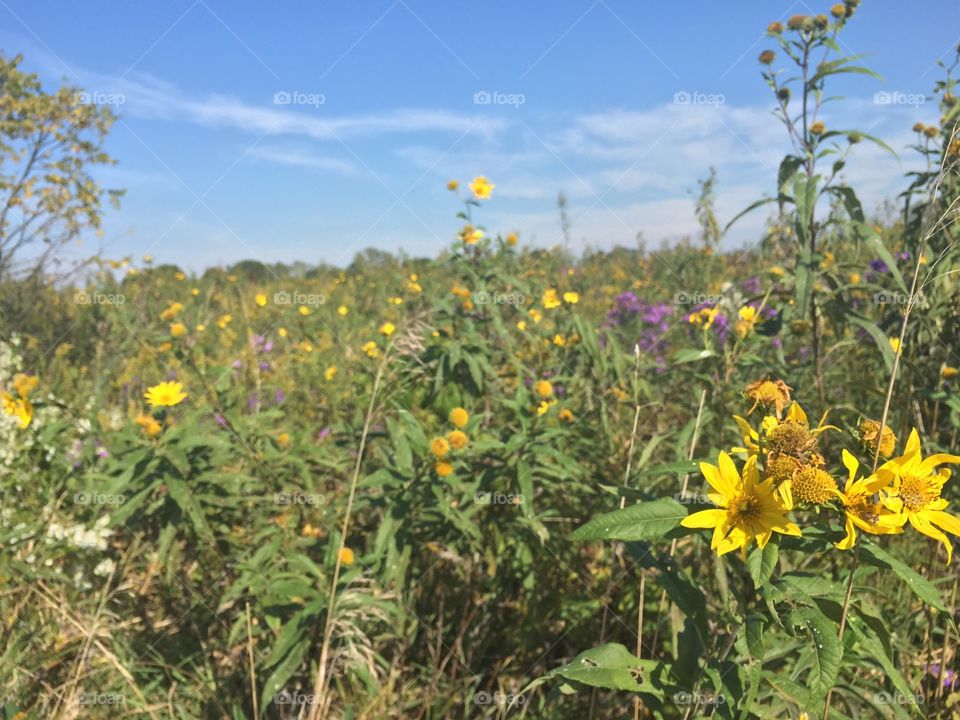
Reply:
x=871, y=436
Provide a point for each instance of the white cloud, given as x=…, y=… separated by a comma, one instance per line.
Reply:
x=300, y=157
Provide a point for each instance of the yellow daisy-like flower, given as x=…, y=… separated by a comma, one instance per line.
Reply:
x=704, y=316
x=20, y=408
x=481, y=188
x=948, y=373
x=171, y=312
x=747, y=509
x=748, y=318
x=471, y=235
x=571, y=297
x=439, y=447
x=343, y=310
x=914, y=491
x=303, y=310
x=544, y=388
x=895, y=344
x=861, y=506
x=346, y=556
x=458, y=439
x=535, y=315
x=551, y=299
x=178, y=329
x=25, y=384
x=387, y=329
x=149, y=424
x=565, y=415
x=166, y=394
x=453, y=185
x=512, y=239
x=459, y=417
x=224, y=320
x=544, y=407
x=330, y=373
x=443, y=469
x=260, y=299
x=283, y=440
x=371, y=349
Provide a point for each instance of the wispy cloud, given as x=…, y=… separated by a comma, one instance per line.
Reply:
x=300, y=157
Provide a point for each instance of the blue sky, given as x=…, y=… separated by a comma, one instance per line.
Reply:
x=386, y=104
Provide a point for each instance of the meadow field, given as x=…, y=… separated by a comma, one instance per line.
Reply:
x=673, y=481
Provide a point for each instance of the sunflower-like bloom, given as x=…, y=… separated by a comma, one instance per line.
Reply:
x=791, y=436
x=482, y=188
x=747, y=509
x=20, y=408
x=861, y=506
x=166, y=394
x=914, y=490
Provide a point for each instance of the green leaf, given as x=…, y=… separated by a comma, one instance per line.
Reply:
x=643, y=521
x=875, y=243
x=762, y=563
x=788, y=168
x=608, y=666
x=180, y=494
x=756, y=623
x=921, y=587
x=850, y=201
x=749, y=208
x=879, y=337
x=876, y=651
x=692, y=355
x=827, y=651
